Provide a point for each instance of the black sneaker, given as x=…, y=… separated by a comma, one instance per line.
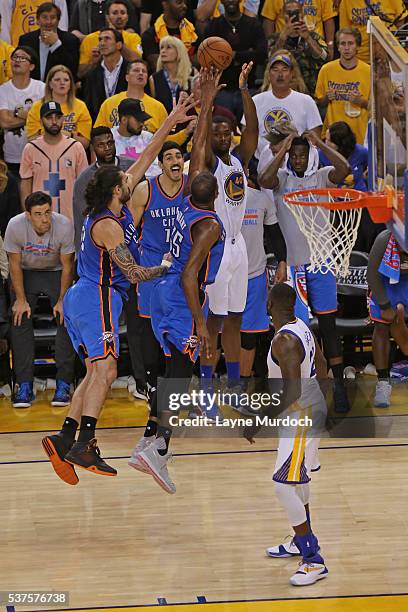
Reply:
x=141, y=392
x=341, y=402
x=56, y=449
x=88, y=457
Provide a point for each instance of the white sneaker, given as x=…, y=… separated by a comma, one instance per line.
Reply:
x=156, y=464
x=308, y=573
x=287, y=549
x=382, y=398
x=134, y=461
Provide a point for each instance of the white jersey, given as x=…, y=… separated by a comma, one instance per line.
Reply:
x=299, y=329
x=231, y=201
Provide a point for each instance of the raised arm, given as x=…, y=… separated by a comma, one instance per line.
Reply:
x=178, y=115
x=249, y=137
x=268, y=179
x=209, y=88
x=138, y=201
x=109, y=234
x=205, y=233
x=341, y=166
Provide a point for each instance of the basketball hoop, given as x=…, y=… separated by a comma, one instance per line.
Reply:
x=329, y=219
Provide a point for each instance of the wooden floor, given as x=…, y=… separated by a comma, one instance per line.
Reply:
x=122, y=541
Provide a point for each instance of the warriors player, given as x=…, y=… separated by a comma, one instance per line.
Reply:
x=178, y=309
x=227, y=295
x=155, y=204
x=293, y=357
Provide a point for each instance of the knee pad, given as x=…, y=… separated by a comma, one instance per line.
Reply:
x=290, y=501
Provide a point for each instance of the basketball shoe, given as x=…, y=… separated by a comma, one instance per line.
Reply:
x=88, y=457
x=134, y=460
x=156, y=464
x=382, y=398
x=56, y=449
x=309, y=573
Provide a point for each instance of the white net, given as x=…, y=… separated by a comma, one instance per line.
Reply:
x=330, y=234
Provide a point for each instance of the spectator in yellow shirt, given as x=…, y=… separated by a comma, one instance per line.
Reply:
x=117, y=17
x=356, y=13
x=5, y=62
x=344, y=85
x=60, y=87
x=318, y=15
x=136, y=77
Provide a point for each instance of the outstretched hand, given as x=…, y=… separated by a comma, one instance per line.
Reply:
x=243, y=77
x=209, y=84
x=184, y=105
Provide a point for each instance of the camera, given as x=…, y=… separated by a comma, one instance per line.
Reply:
x=294, y=16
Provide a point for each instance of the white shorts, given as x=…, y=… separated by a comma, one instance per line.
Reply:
x=297, y=451
x=228, y=293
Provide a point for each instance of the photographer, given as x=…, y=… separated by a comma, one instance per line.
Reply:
x=308, y=47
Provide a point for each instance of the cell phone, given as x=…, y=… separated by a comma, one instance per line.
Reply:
x=294, y=16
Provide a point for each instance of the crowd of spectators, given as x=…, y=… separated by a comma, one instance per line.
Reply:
x=85, y=83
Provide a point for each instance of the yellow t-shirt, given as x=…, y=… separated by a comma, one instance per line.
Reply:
x=355, y=13
x=23, y=19
x=76, y=120
x=315, y=12
x=108, y=115
x=131, y=40
x=344, y=82
x=5, y=63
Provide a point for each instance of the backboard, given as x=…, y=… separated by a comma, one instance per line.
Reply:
x=387, y=133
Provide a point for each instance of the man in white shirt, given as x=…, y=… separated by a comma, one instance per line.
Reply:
x=130, y=137
x=295, y=167
x=16, y=99
x=282, y=103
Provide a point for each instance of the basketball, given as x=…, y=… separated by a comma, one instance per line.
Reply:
x=215, y=51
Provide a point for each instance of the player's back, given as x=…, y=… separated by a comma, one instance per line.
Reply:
x=299, y=329
x=158, y=221
x=232, y=190
x=94, y=262
x=181, y=242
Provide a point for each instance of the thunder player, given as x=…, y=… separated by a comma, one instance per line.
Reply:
x=178, y=309
x=155, y=204
x=294, y=167
x=92, y=307
x=293, y=358
x=227, y=296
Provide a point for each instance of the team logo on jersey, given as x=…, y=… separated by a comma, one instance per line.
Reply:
x=192, y=342
x=275, y=116
x=108, y=337
x=234, y=187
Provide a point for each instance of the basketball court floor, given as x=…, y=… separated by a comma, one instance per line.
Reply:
x=122, y=542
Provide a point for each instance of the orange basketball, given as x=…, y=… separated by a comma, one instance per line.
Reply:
x=215, y=51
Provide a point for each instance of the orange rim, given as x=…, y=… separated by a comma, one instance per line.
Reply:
x=379, y=204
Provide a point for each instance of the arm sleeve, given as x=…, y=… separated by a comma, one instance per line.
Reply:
x=374, y=278
x=84, y=123
x=269, y=10
x=327, y=10
x=102, y=118
x=275, y=242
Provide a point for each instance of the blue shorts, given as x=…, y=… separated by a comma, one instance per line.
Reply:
x=316, y=290
x=397, y=294
x=145, y=290
x=255, y=317
x=91, y=315
x=171, y=318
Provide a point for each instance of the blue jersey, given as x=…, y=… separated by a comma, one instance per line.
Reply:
x=94, y=262
x=158, y=222
x=181, y=242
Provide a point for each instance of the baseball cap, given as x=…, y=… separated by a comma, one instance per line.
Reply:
x=285, y=59
x=48, y=108
x=134, y=108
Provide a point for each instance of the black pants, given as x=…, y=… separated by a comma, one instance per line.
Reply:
x=22, y=337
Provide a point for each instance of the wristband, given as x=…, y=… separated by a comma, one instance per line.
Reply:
x=165, y=263
x=244, y=88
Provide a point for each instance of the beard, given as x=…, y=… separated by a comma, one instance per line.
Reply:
x=53, y=130
x=125, y=196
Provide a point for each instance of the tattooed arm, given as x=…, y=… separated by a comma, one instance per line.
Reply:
x=108, y=233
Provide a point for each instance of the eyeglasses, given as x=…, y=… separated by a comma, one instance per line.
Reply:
x=20, y=58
